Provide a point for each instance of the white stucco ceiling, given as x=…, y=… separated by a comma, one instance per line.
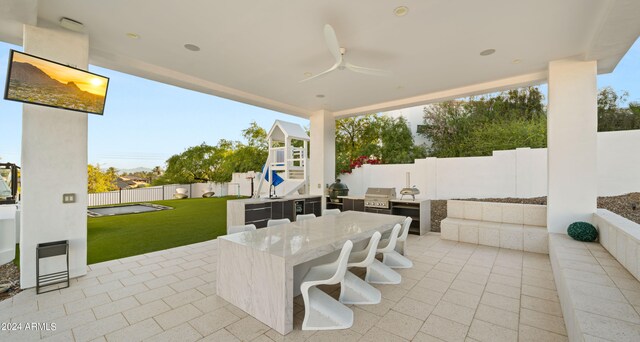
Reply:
x=258, y=51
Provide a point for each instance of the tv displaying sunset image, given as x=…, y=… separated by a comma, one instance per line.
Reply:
x=39, y=81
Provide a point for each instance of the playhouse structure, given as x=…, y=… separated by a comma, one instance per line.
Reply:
x=286, y=169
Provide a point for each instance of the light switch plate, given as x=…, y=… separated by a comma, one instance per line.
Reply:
x=69, y=198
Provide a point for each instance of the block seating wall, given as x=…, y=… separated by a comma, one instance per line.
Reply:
x=600, y=299
x=621, y=238
x=505, y=225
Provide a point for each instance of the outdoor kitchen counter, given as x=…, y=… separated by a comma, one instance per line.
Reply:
x=258, y=211
x=279, y=199
x=260, y=271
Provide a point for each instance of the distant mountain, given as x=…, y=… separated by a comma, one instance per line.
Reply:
x=27, y=73
x=134, y=170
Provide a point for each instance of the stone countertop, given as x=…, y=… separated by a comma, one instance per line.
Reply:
x=352, y=197
x=267, y=200
x=301, y=241
x=406, y=199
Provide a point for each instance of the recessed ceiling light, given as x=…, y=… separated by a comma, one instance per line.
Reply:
x=487, y=52
x=308, y=74
x=320, y=96
x=133, y=35
x=192, y=47
x=516, y=61
x=401, y=11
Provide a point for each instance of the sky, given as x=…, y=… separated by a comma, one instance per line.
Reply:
x=146, y=122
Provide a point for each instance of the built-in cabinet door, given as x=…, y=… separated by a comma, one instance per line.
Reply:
x=352, y=204
x=313, y=205
x=287, y=210
x=257, y=214
x=317, y=208
x=277, y=210
x=347, y=204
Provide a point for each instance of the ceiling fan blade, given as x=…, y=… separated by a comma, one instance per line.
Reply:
x=368, y=71
x=332, y=42
x=334, y=67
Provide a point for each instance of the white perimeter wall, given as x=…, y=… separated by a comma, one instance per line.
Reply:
x=514, y=173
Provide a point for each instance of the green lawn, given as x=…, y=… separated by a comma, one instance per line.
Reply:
x=191, y=220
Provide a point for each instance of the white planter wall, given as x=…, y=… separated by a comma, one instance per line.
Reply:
x=7, y=233
x=514, y=173
x=621, y=237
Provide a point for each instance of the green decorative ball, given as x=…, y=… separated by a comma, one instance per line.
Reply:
x=583, y=231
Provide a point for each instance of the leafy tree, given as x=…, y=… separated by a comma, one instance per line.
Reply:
x=206, y=163
x=355, y=137
x=373, y=137
x=613, y=117
x=99, y=181
x=396, y=142
x=478, y=126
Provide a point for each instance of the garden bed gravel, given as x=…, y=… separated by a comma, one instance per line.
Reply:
x=9, y=273
x=627, y=206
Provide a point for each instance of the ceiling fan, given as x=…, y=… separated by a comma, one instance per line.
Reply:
x=339, y=54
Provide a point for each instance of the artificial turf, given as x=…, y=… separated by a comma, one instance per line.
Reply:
x=192, y=220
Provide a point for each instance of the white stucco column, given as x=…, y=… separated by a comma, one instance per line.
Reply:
x=322, y=166
x=572, y=143
x=54, y=162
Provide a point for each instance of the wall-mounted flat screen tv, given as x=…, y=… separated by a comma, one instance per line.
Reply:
x=36, y=80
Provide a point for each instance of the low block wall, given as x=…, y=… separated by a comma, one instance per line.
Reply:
x=621, y=238
x=504, y=225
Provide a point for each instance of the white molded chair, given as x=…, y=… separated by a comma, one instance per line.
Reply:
x=354, y=290
x=272, y=222
x=328, y=212
x=394, y=259
x=321, y=311
x=242, y=228
x=402, y=239
x=378, y=272
x=303, y=217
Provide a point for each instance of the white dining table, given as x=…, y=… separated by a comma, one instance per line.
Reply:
x=259, y=271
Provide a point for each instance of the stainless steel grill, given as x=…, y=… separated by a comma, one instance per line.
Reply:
x=379, y=197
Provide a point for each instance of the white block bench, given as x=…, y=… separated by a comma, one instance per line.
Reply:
x=505, y=225
x=600, y=300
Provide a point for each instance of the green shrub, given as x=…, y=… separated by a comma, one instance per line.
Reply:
x=583, y=231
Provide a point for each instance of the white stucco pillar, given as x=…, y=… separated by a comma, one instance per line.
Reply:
x=54, y=162
x=322, y=166
x=572, y=143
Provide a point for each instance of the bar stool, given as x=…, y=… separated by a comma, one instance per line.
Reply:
x=303, y=217
x=329, y=212
x=354, y=290
x=241, y=228
x=321, y=311
x=272, y=222
x=394, y=259
x=379, y=273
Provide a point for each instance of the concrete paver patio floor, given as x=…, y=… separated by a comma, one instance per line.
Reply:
x=454, y=292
